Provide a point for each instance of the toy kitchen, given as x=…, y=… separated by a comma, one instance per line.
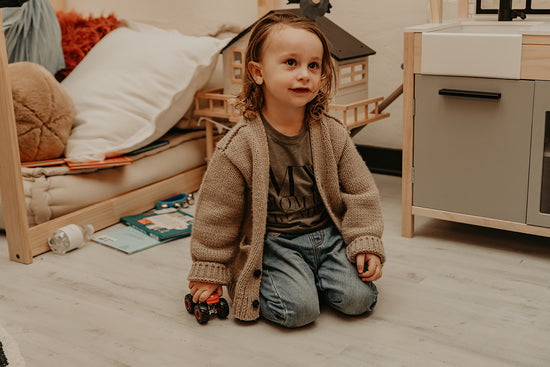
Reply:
x=476, y=117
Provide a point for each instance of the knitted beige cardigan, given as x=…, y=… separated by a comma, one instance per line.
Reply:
x=228, y=232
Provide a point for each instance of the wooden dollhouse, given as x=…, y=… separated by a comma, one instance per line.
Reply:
x=350, y=103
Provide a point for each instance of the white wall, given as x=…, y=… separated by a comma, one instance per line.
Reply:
x=194, y=17
x=377, y=23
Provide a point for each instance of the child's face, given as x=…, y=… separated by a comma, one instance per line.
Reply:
x=290, y=68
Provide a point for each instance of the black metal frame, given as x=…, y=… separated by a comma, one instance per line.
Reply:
x=12, y=3
x=528, y=9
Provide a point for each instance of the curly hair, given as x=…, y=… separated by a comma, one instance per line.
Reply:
x=251, y=99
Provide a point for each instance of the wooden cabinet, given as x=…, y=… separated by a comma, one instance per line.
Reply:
x=475, y=150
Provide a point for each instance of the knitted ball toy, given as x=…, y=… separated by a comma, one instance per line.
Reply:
x=44, y=111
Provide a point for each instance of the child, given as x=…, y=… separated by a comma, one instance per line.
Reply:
x=287, y=205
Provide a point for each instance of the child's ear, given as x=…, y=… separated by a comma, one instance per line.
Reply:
x=256, y=72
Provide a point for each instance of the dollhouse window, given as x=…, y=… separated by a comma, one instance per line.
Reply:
x=237, y=65
x=352, y=74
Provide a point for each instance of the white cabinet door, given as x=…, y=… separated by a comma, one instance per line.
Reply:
x=472, y=145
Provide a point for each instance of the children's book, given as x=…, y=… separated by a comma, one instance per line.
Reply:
x=126, y=239
x=162, y=225
x=48, y=162
x=108, y=162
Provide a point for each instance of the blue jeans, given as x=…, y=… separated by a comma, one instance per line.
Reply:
x=298, y=271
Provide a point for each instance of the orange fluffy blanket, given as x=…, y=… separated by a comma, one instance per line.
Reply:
x=79, y=35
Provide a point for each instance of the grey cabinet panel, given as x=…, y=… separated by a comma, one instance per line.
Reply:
x=471, y=153
x=538, y=208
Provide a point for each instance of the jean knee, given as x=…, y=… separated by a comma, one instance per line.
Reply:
x=301, y=315
x=292, y=315
x=357, y=302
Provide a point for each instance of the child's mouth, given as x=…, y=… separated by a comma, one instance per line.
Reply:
x=300, y=90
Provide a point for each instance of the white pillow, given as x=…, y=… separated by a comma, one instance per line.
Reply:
x=133, y=86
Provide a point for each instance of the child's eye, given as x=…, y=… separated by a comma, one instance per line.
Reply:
x=291, y=62
x=314, y=66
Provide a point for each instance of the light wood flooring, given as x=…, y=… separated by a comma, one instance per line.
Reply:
x=454, y=295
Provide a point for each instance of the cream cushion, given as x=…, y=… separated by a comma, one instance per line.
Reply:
x=133, y=86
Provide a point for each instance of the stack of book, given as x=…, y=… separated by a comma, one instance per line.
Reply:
x=122, y=160
x=107, y=162
x=148, y=229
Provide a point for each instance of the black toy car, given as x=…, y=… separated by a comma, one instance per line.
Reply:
x=214, y=305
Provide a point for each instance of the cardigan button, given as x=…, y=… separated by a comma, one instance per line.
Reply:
x=257, y=273
x=256, y=303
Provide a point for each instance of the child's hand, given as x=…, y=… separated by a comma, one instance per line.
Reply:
x=373, y=267
x=201, y=291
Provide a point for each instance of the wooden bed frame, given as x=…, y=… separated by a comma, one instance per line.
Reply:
x=25, y=242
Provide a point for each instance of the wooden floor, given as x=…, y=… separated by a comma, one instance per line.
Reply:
x=454, y=295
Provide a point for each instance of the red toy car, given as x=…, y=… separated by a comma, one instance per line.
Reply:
x=214, y=305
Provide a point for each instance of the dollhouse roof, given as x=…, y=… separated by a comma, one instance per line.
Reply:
x=343, y=45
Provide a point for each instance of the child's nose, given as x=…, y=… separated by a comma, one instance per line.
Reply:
x=303, y=73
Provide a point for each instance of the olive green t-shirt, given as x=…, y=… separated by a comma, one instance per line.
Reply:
x=294, y=204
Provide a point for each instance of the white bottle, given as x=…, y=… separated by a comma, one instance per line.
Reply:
x=70, y=237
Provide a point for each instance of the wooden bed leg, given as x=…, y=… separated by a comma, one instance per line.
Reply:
x=209, y=140
x=407, y=218
x=11, y=182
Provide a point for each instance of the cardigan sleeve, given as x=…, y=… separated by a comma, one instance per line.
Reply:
x=218, y=220
x=362, y=222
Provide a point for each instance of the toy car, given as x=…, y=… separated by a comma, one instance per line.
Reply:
x=214, y=305
x=179, y=201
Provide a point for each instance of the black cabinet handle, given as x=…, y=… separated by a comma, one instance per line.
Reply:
x=469, y=93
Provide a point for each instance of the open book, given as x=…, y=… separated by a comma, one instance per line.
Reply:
x=163, y=224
